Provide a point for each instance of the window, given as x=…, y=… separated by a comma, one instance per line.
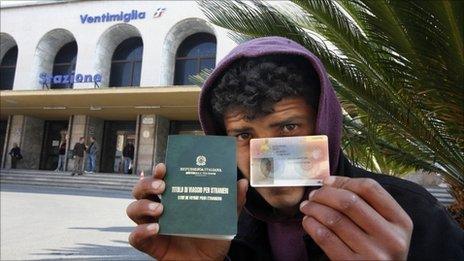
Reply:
x=126, y=64
x=197, y=52
x=65, y=63
x=8, y=68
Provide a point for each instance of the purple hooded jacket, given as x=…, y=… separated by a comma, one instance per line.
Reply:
x=271, y=237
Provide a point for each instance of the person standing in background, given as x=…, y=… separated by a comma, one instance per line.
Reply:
x=15, y=154
x=61, y=155
x=128, y=156
x=92, y=156
x=79, y=149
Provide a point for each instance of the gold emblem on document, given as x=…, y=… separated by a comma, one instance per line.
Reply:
x=201, y=160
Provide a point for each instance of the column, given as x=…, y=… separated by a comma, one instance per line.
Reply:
x=152, y=136
x=27, y=132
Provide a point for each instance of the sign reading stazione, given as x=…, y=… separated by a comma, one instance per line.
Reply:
x=119, y=17
x=46, y=79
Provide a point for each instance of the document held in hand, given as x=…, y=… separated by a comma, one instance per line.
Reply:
x=289, y=161
x=200, y=199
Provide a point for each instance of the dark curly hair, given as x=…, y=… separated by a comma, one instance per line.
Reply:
x=256, y=84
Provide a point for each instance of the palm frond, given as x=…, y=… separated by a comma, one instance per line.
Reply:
x=397, y=67
x=200, y=78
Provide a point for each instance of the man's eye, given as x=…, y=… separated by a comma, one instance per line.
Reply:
x=243, y=136
x=289, y=128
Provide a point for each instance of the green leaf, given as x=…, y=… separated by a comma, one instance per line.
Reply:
x=397, y=68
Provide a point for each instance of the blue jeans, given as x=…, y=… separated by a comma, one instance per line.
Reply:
x=125, y=163
x=61, y=160
x=91, y=162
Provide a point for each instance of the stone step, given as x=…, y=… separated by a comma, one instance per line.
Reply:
x=64, y=179
x=86, y=186
x=446, y=201
x=41, y=172
x=437, y=189
x=441, y=194
x=67, y=175
x=75, y=180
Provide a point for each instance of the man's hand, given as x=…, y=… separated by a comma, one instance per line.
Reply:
x=357, y=219
x=145, y=212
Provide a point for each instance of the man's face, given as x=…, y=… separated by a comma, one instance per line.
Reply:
x=291, y=117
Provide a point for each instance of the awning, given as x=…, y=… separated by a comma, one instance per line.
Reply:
x=172, y=102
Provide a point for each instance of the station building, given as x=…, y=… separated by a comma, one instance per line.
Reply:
x=116, y=70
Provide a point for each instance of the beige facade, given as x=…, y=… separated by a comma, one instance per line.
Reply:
x=36, y=117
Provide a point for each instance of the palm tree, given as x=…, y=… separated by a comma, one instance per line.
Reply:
x=397, y=67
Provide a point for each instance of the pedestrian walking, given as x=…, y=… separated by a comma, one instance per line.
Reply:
x=15, y=154
x=92, y=156
x=61, y=156
x=128, y=157
x=78, y=151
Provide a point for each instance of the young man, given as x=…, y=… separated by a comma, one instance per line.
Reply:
x=273, y=87
x=92, y=156
x=61, y=155
x=79, y=149
x=128, y=157
x=15, y=154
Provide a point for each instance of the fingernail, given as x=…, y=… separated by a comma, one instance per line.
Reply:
x=153, y=206
x=141, y=175
x=329, y=180
x=158, y=166
x=303, y=204
x=156, y=184
x=311, y=194
x=153, y=227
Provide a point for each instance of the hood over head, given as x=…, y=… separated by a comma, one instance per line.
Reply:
x=329, y=116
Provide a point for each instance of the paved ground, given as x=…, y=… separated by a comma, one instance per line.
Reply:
x=64, y=223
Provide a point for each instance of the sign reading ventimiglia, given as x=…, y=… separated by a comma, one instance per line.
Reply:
x=118, y=17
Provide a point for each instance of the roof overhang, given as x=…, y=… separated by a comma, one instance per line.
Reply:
x=122, y=103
